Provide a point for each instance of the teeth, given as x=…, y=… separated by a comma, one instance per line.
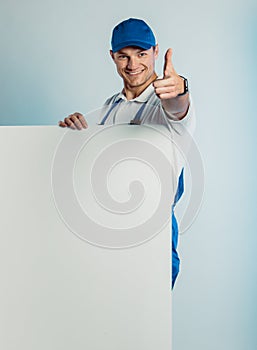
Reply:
x=134, y=73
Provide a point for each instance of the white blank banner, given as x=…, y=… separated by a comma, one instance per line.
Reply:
x=58, y=291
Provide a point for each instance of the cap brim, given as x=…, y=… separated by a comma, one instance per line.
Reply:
x=140, y=44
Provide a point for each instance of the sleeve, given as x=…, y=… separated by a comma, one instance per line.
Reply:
x=185, y=124
x=182, y=133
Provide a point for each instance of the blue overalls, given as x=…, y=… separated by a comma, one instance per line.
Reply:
x=180, y=190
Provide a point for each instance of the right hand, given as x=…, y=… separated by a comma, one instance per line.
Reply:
x=74, y=121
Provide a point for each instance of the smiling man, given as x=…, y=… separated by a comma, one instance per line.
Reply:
x=134, y=52
x=145, y=97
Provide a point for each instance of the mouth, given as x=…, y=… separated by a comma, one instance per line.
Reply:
x=137, y=72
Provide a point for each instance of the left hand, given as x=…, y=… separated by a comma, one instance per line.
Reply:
x=171, y=85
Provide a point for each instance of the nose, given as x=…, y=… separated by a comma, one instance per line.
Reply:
x=132, y=63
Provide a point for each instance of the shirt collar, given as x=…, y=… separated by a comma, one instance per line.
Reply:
x=143, y=97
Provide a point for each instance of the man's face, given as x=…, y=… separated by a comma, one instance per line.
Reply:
x=135, y=65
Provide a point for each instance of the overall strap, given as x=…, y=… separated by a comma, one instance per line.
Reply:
x=136, y=119
x=108, y=113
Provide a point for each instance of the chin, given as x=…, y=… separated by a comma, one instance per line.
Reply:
x=136, y=82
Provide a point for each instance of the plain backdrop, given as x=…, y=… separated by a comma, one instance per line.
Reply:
x=54, y=61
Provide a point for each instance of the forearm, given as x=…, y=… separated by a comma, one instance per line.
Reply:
x=177, y=106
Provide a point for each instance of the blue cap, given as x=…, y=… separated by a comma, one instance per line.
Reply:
x=132, y=32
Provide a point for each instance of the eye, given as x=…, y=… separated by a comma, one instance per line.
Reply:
x=122, y=57
x=142, y=54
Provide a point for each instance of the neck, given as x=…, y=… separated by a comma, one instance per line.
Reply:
x=132, y=92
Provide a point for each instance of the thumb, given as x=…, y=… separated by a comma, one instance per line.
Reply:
x=168, y=68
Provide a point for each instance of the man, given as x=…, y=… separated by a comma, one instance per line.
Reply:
x=149, y=99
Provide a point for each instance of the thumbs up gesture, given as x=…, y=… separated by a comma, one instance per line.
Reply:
x=171, y=85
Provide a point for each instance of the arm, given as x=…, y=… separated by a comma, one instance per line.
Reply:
x=169, y=88
x=178, y=106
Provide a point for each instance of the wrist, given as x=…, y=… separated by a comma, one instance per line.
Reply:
x=184, y=86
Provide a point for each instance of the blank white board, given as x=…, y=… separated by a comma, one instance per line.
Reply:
x=60, y=289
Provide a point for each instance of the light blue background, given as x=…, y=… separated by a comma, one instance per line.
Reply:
x=54, y=61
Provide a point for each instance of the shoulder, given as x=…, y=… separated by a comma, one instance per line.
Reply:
x=111, y=99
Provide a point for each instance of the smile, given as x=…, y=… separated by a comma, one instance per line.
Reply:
x=135, y=73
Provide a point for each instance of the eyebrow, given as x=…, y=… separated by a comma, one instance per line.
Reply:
x=125, y=53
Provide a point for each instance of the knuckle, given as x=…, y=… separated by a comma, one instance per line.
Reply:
x=73, y=118
x=77, y=114
x=157, y=83
x=81, y=117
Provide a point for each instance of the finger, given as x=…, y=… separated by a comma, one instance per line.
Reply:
x=168, y=68
x=76, y=121
x=164, y=82
x=166, y=96
x=62, y=124
x=83, y=121
x=79, y=120
x=76, y=114
x=165, y=90
x=69, y=123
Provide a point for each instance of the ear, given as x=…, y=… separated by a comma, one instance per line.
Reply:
x=112, y=54
x=156, y=51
